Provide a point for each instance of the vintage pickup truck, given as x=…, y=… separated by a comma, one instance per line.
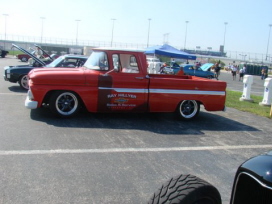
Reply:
x=117, y=80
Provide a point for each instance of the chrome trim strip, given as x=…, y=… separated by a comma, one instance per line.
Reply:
x=165, y=91
x=173, y=91
x=234, y=190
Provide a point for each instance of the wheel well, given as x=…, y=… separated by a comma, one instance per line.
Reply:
x=49, y=94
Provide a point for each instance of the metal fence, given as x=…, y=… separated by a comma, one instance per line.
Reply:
x=238, y=55
x=71, y=42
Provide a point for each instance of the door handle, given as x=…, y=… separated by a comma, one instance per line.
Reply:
x=139, y=77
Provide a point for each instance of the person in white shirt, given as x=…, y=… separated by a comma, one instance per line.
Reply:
x=234, y=72
x=242, y=72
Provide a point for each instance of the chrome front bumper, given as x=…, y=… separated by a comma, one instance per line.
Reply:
x=30, y=104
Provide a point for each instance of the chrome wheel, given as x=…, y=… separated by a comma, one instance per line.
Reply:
x=188, y=109
x=64, y=103
x=23, y=82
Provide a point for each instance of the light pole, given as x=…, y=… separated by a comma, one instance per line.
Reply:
x=42, y=29
x=268, y=41
x=165, y=38
x=209, y=48
x=113, y=19
x=226, y=23
x=243, y=57
x=185, y=34
x=77, y=21
x=148, y=32
x=5, y=30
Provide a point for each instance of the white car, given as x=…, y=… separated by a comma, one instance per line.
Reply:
x=154, y=65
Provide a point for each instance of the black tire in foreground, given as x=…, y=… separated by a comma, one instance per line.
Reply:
x=64, y=103
x=186, y=189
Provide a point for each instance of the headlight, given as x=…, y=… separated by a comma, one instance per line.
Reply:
x=8, y=73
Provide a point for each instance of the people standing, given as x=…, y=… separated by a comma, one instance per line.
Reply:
x=233, y=72
x=241, y=73
x=263, y=74
x=217, y=69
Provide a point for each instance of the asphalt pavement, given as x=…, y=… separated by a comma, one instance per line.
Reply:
x=257, y=87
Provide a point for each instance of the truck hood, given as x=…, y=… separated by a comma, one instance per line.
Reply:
x=57, y=76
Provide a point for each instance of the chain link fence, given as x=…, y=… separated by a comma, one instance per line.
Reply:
x=27, y=41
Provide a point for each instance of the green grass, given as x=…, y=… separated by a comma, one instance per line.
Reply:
x=252, y=107
x=15, y=52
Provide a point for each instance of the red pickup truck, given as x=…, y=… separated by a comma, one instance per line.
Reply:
x=116, y=80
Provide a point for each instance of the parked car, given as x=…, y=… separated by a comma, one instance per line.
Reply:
x=202, y=71
x=3, y=53
x=154, y=65
x=23, y=57
x=252, y=184
x=19, y=73
x=170, y=68
x=42, y=55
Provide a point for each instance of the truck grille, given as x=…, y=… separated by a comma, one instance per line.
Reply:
x=250, y=190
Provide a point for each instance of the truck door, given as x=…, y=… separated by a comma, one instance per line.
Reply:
x=125, y=87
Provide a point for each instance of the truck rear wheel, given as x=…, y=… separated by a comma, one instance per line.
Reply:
x=186, y=189
x=188, y=109
x=64, y=103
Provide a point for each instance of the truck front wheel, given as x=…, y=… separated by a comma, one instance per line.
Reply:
x=64, y=103
x=188, y=109
x=186, y=189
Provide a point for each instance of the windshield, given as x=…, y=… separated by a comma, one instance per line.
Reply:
x=55, y=62
x=97, y=61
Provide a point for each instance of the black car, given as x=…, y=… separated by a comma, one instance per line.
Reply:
x=3, y=53
x=252, y=185
x=19, y=73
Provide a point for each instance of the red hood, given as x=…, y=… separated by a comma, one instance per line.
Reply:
x=57, y=76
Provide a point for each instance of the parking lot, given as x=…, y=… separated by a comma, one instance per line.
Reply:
x=119, y=158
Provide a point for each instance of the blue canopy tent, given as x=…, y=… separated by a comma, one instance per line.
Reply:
x=167, y=50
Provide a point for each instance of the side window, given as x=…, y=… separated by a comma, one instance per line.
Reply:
x=129, y=63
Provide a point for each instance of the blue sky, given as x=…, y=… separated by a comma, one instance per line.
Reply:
x=247, y=29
